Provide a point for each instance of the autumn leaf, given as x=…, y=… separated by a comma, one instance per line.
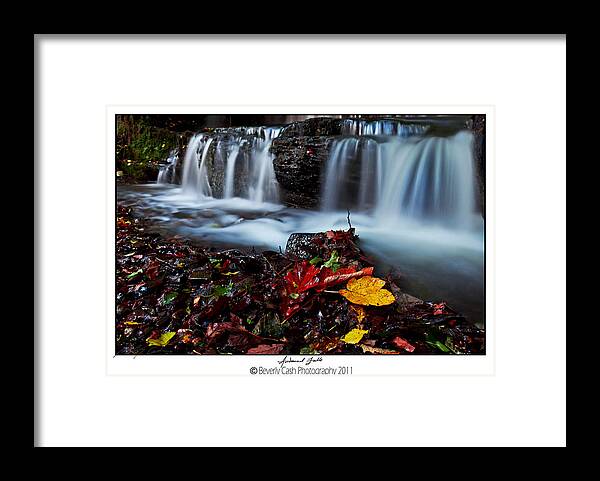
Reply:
x=439, y=308
x=161, y=340
x=219, y=291
x=266, y=349
x=315, y=260
x=354, y=336
x=168, y=298
x=367, y=291
x=341, y=275
x=403, y=344
x=361, y=314
x=301, y=278
x=376, y=350
x=133, y=274
x=340, y=235
x=333, y=263
x=121, y=222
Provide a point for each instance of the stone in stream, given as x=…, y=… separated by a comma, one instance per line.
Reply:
x=301, y=246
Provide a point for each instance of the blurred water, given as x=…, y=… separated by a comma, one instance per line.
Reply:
x=437, y=262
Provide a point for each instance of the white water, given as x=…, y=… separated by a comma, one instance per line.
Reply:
x=437, y=263
x=230, y=170
x=166, y=173
x=412, y=200
x=428, y=179
x=381, y=127
x=262, y=184
x=190, y=180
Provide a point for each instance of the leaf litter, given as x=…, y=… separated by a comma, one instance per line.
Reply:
x=174, y=297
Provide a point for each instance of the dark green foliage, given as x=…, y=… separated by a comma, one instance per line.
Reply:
x=140, y=147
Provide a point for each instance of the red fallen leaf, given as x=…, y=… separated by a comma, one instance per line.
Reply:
x=291, y=305
x=340, y=235
x=343, y=274
x=403, y=344
x=305, y=276
x=237, y=335
x=213, y=307
x=152, y=268
x=439, y=308
x=301, y=278
x=266, y=349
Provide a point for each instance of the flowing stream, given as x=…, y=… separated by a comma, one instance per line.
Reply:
x=412, y=200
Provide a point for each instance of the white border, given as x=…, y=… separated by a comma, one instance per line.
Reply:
x=239, y=365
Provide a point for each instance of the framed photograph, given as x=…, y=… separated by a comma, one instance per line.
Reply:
x=289, y=240
x=295, y=239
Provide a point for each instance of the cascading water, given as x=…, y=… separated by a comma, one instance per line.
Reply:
x=342, y=153
x=415, y=178
x=166, y=173
x=411, y=195
x=263, y=186
x=228, y=190
x=199, y=165
x=192, y=181
x=382, y=127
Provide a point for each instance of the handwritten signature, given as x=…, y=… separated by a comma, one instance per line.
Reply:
x=305, y=360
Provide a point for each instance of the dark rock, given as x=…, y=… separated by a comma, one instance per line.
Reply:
x=479, y=131
x=298, y=163
x=301, y=245
x=313, y=127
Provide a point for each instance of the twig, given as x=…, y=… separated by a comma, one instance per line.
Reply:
x=349, y=223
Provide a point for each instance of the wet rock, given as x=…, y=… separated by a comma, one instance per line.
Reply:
x=298, y=164
x=478, y=129
x=301, y=245
x=313, y=127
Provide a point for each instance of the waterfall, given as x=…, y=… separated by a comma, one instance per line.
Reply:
x=195, y=179
x=418, y=178
x=342, y=153
x=382, y=127
x=263, y=186
x=228, y=191
x=167, y=171
x=200, y=165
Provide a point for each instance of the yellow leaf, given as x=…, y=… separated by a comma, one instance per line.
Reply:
x=132, y=323
x=367, y=291
x=354, y=336
x=162, y=341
